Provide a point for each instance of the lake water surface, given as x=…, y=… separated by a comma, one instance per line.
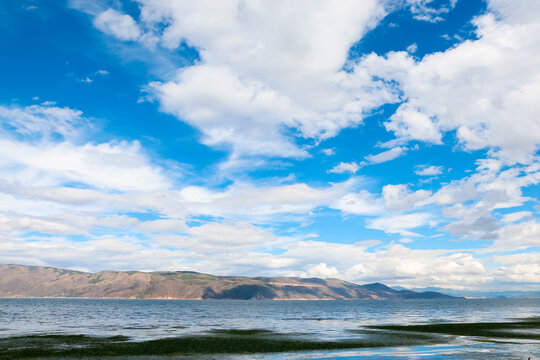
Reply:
x=320, y=320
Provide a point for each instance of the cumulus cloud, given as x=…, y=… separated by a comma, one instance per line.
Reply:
x=256, y=93
x=480, y=227
x=429, y=170
x=399, y=224
x=263, y=80
x=37, y=194
x=410, y=123
x=411, y=49
x=400, y=197
x=215, y=237
x=516, y=237
x=387, y=155
x=472, y=202
x=360, y=203
x=60, y=163
x=322, y=271
x=119, y=25
x=260, y=202
x=247, y=107
x=41, y=121
x=42, y=159
x=328, y=152
x=53, y=184
x=344, y=167
x=394, y=264
x=478, y=88
x=516, y=216
x=104, y=252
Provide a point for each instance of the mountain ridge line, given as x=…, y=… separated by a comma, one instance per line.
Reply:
x=17, y=281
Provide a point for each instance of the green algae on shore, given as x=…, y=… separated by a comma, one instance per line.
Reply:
x=526, y=329
x=224, y=342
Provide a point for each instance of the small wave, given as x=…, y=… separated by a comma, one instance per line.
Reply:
x=141, y=327
x=310, y=319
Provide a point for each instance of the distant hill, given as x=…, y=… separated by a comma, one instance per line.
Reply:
x=502, y=294
x=38, y=281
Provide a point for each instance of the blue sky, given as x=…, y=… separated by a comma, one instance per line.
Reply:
x=370, y=140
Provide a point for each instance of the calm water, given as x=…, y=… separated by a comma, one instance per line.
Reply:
x=324, y=320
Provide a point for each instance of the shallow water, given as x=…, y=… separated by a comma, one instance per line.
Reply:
x=320, y=320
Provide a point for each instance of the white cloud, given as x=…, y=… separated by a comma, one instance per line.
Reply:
x=398, y=224
x=399, y=197
x=394, y=264
x=411, y=49
x=244, y=113
x=494, y=186
x=328, y=152
x=40, y=169
x=41, y=121
x=361, y=203
x=516, y=12
x=59, y=163
x=479, y=88
x=473, y=200
x=322, y=271
x=38, y=157
x=119, y=25
x=481, y=227
x=214, y=237
x=231, y=234
x=514, y=237
x=426, y=10
x=105, y=252
x=386, y=155
x=263, y=80
x=409, y=123
x=344, y=167
x=517, y=270
x=429, y=170
x=516, y=216
x=260, y=202
x=164, y=225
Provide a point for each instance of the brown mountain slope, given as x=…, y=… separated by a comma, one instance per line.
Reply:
x=38, y=281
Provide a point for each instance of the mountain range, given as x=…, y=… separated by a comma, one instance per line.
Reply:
x=39, y=281
x=478, y=294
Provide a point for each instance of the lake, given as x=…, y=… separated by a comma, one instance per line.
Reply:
x=143, y=320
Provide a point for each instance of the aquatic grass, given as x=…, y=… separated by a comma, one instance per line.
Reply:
x=505, y=330
x=41, y=345
x=249, y=341
x=225, y=342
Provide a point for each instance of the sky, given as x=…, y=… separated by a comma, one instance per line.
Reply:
x=392, y=141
